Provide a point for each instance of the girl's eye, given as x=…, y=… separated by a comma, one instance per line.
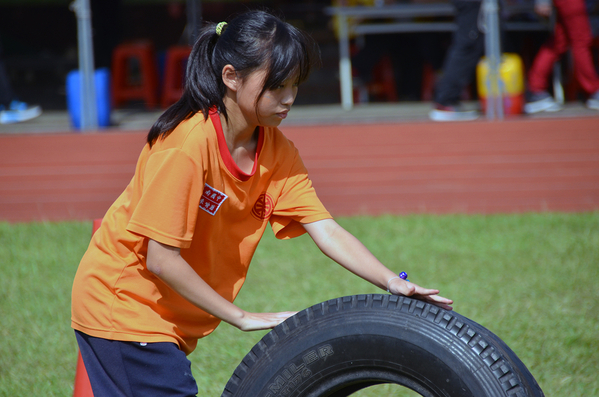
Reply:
x=282, y=86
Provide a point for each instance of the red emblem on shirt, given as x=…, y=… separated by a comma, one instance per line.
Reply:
x=211, y=199
x=263, y=207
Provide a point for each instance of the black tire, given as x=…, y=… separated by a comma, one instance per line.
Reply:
x=343, y=345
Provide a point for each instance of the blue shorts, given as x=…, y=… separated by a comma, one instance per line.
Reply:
x=133, y=369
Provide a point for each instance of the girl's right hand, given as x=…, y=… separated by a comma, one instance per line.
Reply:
x=262, y=321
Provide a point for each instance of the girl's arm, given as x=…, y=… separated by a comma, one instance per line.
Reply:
x=166, y=263
x=341, y=246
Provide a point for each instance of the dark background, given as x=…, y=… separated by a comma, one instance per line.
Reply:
x=39, y=40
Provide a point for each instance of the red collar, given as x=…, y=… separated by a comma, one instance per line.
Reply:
x=224, y=150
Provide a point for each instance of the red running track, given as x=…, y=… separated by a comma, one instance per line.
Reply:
x=475, y=167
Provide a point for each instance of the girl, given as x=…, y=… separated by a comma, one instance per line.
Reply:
x=174, y=249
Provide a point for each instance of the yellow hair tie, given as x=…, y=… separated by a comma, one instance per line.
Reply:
x=220, y=27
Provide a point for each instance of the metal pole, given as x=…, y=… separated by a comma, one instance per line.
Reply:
x=493, y=54
x=558, y=88
x=345, y=74
x=89, y=112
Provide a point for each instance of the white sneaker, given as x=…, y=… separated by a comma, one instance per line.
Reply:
x=541, y=102
x=452, y=113
x=593, y=101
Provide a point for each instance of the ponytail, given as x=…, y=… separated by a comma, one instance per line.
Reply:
x=201, y=91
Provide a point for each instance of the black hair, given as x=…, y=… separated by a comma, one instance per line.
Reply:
x=251, y=41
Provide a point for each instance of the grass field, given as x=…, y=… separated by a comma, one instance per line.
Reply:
x=531, y=279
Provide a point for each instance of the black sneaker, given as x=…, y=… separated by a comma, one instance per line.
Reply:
x=451, y=113
x=541, y=102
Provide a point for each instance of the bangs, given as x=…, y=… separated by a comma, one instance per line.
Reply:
x=291, y=57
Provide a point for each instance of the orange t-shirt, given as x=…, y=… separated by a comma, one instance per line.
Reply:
x=187, y=192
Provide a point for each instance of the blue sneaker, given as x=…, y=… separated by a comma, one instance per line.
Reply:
x=17, y=112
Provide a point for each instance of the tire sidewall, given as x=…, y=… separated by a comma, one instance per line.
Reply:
x=298, y=358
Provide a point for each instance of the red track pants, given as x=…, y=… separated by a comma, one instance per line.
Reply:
x=572, y=29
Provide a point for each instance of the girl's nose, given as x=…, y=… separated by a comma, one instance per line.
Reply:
x=289, y=96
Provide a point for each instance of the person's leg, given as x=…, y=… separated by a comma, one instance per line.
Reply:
x=577, y=28
x=549, y=53
x=460, y=63
x=463, y=55
x=134, y=369
x=6, y=94
x=165, y=371
x=104, y=366
x=12, y=110
x=538, y=97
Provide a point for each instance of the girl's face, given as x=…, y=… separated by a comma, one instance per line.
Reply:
x=272, y=107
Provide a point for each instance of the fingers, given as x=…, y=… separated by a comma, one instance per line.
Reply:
x=282, y=316
x=402, y=287
x=263, y=321
x=271, y=320
x=437, y=301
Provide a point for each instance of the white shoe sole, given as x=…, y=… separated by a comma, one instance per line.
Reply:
x=593, y=104
x=17, y=116
x=544, y=105
x=443, y=115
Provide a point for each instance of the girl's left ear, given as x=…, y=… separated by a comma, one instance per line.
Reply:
x=230, y=77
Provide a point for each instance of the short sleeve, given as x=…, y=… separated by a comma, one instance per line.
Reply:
x=297, y=204
x=168, y=206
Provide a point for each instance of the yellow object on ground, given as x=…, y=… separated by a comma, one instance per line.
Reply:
x=511, y=82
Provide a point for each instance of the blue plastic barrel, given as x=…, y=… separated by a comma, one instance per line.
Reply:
x=102, y=82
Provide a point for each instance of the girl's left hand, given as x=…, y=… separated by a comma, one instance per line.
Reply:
x=402, y=287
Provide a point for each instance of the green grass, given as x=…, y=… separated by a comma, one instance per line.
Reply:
x=531, y=279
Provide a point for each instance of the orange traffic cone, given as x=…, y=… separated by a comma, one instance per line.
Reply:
x=82, y=387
